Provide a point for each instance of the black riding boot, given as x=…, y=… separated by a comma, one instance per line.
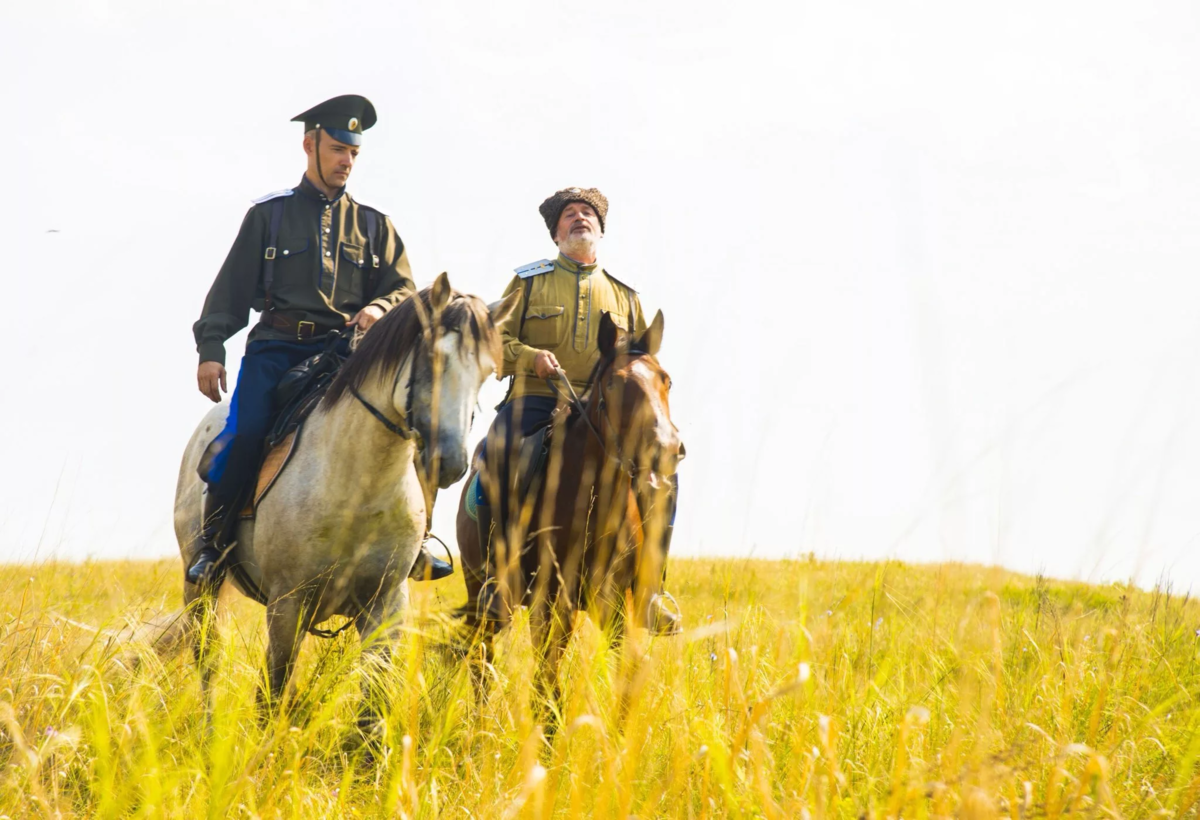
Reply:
x=490, y=604
x=205, y=569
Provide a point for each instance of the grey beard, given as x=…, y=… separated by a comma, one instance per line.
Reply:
x=578, y=247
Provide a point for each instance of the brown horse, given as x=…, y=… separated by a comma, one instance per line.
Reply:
x=581, y=534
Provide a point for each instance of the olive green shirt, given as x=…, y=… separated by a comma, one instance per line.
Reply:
x=324, y=271
x=562, y=315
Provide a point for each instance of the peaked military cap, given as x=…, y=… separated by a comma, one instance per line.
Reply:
x=344, y=118
x=552, y=208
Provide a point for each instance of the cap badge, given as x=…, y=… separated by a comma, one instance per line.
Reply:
x=574, y=191
x=353, y=124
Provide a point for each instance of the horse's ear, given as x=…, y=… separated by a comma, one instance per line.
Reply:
x=439, y=294
x=651, y=339
x=502, y=311
x=609, y=336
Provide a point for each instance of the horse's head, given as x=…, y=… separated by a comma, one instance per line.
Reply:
x=462, y=350
x=432, y=352
x=629, y=394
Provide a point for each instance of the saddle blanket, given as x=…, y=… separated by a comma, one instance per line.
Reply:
x=276, y=459
x=474, y=497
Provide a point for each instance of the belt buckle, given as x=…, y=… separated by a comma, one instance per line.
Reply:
x=300, y=334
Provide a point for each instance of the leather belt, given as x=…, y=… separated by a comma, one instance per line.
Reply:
x=303, y=330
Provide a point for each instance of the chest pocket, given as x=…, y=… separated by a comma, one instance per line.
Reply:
x=545, y=325
x=290, y=249
x=351, y=276
x=292, y=260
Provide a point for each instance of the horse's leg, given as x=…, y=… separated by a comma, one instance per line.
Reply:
x=378, y=629
x=550, y=627
x=609, y=578
x=613, y=620
x=284, y=633
x=200, y=627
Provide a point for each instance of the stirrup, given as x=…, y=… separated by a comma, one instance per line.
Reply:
x=661, y=619
x=427, y=566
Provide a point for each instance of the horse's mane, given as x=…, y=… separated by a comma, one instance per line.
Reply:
x=402, y=329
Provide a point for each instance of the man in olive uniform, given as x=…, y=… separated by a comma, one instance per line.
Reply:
x=556, y=326
x=313, y=260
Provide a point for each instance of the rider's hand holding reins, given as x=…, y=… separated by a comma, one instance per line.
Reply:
x=209, y=377
x=366, y=317
x=545, y=364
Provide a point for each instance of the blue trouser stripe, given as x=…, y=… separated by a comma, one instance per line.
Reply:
x=238, y=447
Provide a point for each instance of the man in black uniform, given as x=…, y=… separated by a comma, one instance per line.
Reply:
x=313, y=260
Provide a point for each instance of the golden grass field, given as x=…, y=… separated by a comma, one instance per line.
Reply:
x=802, y=689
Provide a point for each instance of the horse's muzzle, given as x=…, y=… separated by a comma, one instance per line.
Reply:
x=666, y=458
x=452, y=465
x=663, y=463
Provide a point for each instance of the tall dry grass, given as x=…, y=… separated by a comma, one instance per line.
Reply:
x=802, y=689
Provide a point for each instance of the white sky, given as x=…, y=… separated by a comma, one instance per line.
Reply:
x=929, y=269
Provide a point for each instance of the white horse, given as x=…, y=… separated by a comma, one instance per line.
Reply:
x=340, y=528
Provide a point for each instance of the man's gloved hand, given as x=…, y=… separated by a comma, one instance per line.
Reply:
x=544, y=364
x=209, y=377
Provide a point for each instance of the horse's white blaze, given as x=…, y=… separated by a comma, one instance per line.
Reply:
x=462, y=367
x=666, y=434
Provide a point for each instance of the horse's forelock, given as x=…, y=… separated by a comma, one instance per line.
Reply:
x=607, y=361
x=468, y=314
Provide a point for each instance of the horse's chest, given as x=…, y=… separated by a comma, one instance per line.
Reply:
x=368, y=526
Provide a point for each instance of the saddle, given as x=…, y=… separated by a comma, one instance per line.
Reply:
x=531, y=458
x=528, y=462
x=299, y=392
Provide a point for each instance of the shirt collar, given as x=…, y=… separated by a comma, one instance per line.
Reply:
x=571, y=266
x=312, y=192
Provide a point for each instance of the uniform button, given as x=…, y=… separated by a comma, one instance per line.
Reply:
x=327, y=253
x=327, y=207
x=326, y=230
x=285, y=253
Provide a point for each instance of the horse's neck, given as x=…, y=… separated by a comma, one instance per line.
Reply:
x=605, y=480
x=357, y=447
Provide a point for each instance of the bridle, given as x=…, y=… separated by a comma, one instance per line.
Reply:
x=572, y=398
x=404, y=429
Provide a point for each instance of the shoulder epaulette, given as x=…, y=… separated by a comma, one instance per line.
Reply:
x=619, y=281
x=274, y=195
x=535, y=268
